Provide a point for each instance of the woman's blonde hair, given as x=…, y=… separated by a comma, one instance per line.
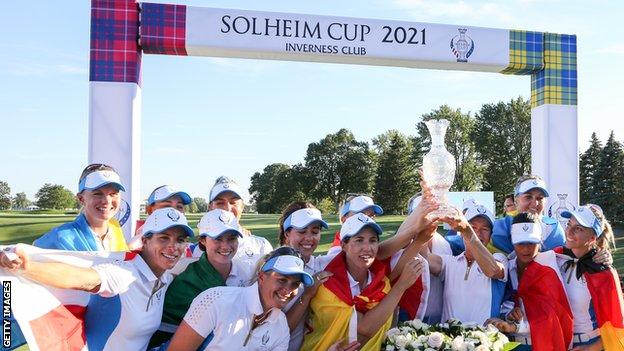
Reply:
x=606, y=241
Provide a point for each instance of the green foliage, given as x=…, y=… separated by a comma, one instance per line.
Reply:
x=503, y=138
x=608, y=182
x=201, y=203
x=339, y=165
x=53, y=196
x=327, y=207
x=20, y=201
x=277, y=186
x=459, y=142
x=5, y=196
x=191, y=208
x=588, y=165
x=396, y=177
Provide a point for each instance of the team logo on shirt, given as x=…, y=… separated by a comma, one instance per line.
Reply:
x=173, y=215
x=248, y=252
x=265, y=338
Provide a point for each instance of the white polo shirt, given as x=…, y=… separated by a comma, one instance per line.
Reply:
x=128, y=307
x=580, y=300
x=433, y=314
x=251, y=248
x=228, y=313
x=470, y=295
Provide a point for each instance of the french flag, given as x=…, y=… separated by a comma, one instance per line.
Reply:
x=52, y=319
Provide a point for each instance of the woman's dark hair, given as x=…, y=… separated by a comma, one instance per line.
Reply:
x=292, y=207
x=525, y=217
x=94, y=167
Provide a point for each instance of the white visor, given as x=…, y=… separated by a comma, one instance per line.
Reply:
x=530, y=184
x=98, y=179
x=218, y=222
x=526, y=233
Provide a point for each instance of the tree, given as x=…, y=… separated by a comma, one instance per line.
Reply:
x=191, y=207
x=503, y=142
x=53, y=196
x=20, y=201
x=278, y=185
x=5, y=196
x=396, y=178
x=608, y=183
x=589, y=162
x=201, y=203
x=339, y=164
x=459, y=142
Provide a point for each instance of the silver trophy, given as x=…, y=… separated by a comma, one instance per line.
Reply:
x=439, y=168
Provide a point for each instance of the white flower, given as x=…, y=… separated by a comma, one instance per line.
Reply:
x=390, y=348
x=400, y=341
x=416, y=344
x=482, y=348
x=417, y=324
x=435, y=340
x=491, y=329
x=458, y=344
x=392, y=332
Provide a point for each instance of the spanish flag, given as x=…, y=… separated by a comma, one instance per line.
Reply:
x=547, y=308
x=606, y=293
x=333, y=309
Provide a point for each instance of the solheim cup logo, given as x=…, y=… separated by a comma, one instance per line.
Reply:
x=462, y=45
x=173, y=215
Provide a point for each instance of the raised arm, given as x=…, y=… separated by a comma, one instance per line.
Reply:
x=369, y=323
x=490, y=267
x=413, y=249
x=185, y=339
x=412, y=226
x=56, y=274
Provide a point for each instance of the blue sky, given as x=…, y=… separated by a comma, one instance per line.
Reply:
x=203, y=117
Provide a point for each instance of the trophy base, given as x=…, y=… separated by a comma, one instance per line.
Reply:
x=445, y=210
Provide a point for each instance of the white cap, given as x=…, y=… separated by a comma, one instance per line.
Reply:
x=226, y=184
x=163, y=219
x=359, y=204
x=98, y=179
x=303, y=218
x=413, y=203
x=356, y=223
x=526, y=233
x=166, y=191
x=586, y=217
x=475, y=209
x=530, y=184
x=288, y=265
x=218, y=222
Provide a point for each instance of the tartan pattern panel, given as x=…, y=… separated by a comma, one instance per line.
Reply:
x=526, y=52
x=557, y=82
x=163, y=29
x=115, y=55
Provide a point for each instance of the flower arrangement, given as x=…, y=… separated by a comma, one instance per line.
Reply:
x=450, y=336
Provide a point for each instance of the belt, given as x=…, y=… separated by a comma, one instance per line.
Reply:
x=526, y=340
x=584, y=337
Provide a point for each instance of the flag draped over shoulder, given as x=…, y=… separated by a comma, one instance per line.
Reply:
x=547, y=308
x=606, y=292
x=52, y=319
x=334, y=316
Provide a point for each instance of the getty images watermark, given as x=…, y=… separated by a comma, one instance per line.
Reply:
x=6, y=314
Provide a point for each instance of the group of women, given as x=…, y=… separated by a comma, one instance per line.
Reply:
x=524, y=274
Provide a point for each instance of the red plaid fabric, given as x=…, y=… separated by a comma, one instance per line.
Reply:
x=163, y=29
x=115, y=54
